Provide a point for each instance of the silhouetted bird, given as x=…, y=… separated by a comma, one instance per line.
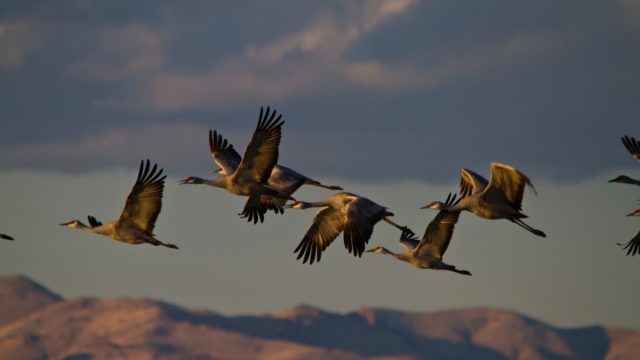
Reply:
x=633, y=146
x=633, y=246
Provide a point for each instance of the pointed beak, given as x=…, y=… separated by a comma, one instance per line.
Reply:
x=371, y=250
x=66, y=224
x=182, y=182
x=635, y=213
x=425, y=207
x=612, y=180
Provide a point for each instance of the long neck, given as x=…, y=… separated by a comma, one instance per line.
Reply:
x=105, y=229
x=400, y=257
x=217, y=182
x=315, y=204
x=84, y=227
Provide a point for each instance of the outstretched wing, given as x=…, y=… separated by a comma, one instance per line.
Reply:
x=632, y=145
x=261, y=155
x=257, y=206
x=633, y=246
x=509, y=182
x=93, y=221
x=440, y=230
x=471, y=183
x=408, y=240
x=145, y=200
x=327, y=225
x=362, y=215
x=223, y=153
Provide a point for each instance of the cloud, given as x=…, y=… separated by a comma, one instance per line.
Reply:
x=235, y=83
x=168, y=144
x=518, y=49
x=312, y=61
x=331, y=34
x=301, y=63
x=18, y=40
x=123, y=52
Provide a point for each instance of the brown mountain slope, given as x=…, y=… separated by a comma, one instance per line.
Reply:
x=20, y=296
x=83, y=329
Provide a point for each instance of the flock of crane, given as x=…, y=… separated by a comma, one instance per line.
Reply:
x=269, y=186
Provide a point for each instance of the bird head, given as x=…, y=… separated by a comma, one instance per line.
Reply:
x=635, y=213
x=72, y=224
x=191, y=180
x=436, y=205
x=622, y=179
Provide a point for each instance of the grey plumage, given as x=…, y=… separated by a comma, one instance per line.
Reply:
x=248, y=175
x=344, y=212
x=498, y=198
x=137, y=220
x=428, y=252
x=283, y=179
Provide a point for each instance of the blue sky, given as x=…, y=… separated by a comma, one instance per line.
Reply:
x=391, y=97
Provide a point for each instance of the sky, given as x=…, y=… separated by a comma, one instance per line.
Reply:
x=388, y=98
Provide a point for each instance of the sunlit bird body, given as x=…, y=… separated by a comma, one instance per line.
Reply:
x=6, y=237
x=427, y=253
x=248, y=175
x=498, y=198
x=137, y=220
x=342, y=212
x=633, y=146
x=283, y=179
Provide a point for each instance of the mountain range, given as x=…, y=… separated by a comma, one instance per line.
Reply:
x=36, y=323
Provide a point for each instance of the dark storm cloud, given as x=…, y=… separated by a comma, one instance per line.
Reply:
x=373, y=90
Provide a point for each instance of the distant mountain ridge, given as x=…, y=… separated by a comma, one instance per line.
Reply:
x=38, y=324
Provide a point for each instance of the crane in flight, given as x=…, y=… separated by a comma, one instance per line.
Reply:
x=498, y=198
x=344, y=212
x=282, y=178
x=249, y=176
x=427, y=252
x=137, y=220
